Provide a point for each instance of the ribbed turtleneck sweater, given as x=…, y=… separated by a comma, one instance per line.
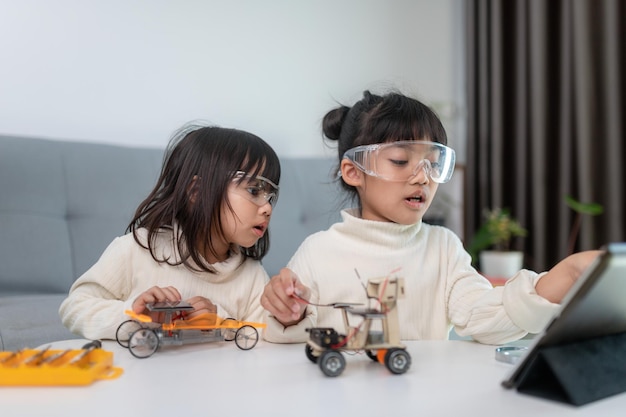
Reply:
x=442, y=289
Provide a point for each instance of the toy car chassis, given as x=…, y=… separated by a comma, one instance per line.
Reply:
x=325, y=345
x=143, y=337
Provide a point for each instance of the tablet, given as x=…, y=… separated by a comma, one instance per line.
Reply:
x=594, y=306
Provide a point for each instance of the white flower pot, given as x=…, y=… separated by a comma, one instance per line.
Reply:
x=500, y=264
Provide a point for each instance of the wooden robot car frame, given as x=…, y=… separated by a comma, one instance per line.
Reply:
x=325, y=345
x=143, y=337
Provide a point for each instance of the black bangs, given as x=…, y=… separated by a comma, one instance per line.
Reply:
x=260, y=159
x=397, y=118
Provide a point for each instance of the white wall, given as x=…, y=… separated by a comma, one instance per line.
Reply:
x=131, y=72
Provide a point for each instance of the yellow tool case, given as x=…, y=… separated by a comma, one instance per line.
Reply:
x=45, y=367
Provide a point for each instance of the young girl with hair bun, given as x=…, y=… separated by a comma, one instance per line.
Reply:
x=393, y=155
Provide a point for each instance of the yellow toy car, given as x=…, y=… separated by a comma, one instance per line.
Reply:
x=143, y=337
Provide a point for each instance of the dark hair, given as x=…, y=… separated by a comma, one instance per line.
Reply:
x=378, y=119
x=205, y=158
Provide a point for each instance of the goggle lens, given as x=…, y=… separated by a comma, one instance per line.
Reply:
x=258, y=190
x=402, y=160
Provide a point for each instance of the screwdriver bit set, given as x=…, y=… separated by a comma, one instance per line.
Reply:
x=48, y=367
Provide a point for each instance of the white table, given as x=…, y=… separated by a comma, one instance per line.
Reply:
x=218, y=379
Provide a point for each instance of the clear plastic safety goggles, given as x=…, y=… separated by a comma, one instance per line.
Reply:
x=258, y=190
x=402, y=160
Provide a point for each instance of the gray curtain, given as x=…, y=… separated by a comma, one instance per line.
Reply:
x=546, y=95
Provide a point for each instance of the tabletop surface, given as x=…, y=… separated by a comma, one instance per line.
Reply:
x=210, y=379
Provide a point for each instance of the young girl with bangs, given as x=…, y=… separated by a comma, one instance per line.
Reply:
x=199, y=237
x=393, y=155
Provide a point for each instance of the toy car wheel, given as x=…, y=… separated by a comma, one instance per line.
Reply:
x=309, y=353
x=143, y=343
x=372, y=355
x=127, y=328
x=230, y=332
x=332, y=363
x=397, y=360
x=246, y=337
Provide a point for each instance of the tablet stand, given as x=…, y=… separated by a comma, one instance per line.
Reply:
x=578, y=373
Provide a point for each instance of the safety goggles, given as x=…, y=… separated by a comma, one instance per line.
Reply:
x=258, y=190
x=402, y=160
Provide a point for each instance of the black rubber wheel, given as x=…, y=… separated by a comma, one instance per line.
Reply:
x=229, y=333
x=143, y=343
x=332, y=363
x=246, y=337
x=398, y=361
x=124, y=330
x=372, y=355
x=309, y=353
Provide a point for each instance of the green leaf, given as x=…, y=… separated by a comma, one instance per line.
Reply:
x=592, y=209
x=482, y=240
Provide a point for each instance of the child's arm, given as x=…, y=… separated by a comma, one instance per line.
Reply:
x=557, y=282
x=285, y=298
x=88, y=313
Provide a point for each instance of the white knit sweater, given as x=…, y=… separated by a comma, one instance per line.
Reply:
x=97, y=300
x=442, y=289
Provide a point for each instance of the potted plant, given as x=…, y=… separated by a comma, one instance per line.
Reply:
x=491, y=246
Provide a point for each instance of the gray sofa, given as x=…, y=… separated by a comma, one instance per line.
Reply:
x=61, y=203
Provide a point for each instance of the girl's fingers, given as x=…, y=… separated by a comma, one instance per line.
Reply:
x=302, y=292
x=285, y=288
x=282, y=297
x=275, y=304
x=155, y=295
x=201, y=305
x=169, y=294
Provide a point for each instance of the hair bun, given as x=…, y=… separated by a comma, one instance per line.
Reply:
x=333, y=122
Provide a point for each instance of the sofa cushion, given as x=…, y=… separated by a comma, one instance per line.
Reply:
x=104, y=184
x=62, y=204
x=33, y=207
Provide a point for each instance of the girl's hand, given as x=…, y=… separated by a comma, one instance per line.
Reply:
x=557, y=282
x=285, y=297
x=155, y=295
x=200, y=305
